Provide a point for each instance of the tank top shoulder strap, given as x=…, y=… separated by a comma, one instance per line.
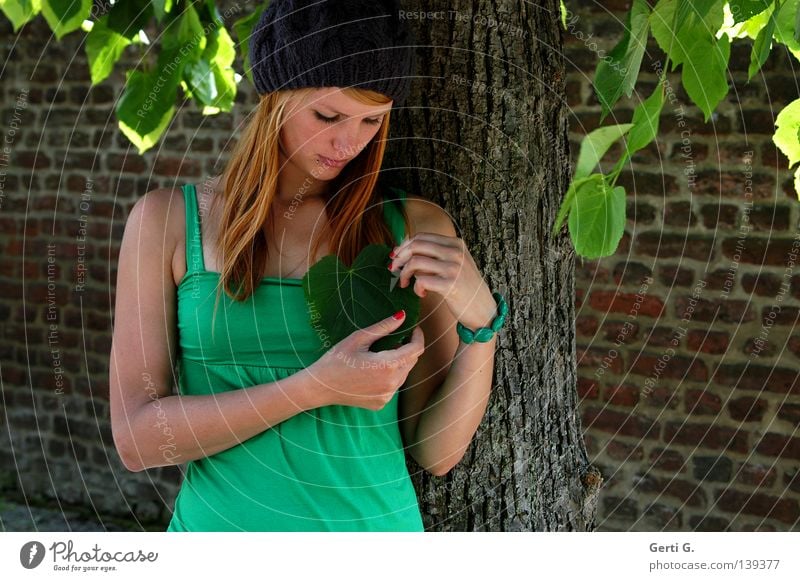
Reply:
x=394, y=203
x=194, y=244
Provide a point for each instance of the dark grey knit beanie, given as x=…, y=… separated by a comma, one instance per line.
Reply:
x=333, y=43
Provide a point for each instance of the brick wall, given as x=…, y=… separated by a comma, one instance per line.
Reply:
x=711, y=445
x=687, y=351
x=69, y=181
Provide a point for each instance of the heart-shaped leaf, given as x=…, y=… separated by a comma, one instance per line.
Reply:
x=342, y=300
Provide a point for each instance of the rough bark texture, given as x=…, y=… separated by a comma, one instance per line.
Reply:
x=488, y=142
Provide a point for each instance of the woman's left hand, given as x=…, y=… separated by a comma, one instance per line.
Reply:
x=443, y=264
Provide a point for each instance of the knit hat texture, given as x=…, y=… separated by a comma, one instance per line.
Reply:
x=333, y=43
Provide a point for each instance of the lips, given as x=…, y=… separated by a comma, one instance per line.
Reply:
x=333, y=162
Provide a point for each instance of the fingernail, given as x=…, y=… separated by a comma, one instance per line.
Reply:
x=399, y=314
x=391, y=254
x=390, y=264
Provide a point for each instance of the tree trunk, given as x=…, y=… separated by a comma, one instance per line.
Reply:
x=486, y=133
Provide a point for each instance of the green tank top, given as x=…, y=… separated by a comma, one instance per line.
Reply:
x=333, y=468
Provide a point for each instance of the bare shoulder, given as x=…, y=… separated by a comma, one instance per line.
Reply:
x=427, y=216
x=159, y=215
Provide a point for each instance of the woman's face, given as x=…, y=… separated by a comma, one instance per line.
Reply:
x=326, y=130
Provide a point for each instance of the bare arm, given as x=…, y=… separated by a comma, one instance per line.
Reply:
x=180, y=428
x=151, y=427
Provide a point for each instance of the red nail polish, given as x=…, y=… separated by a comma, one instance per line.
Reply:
x=391, y=254
x=399, y=315
x=390, y=265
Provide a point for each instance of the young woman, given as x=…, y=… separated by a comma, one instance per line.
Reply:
x=278, y=432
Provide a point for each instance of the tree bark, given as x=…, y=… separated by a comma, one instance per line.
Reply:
x=485, y=136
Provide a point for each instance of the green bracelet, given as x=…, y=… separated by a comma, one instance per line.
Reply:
x=485, y=334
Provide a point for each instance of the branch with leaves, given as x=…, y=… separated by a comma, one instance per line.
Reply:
x=695, y=35
x=195, y=53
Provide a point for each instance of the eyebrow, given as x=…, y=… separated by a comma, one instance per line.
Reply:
x=335, y=112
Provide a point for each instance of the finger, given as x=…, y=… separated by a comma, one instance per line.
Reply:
x=421, y=265
x=431, y=282
x=411, y=350
x=443, y=247
x=368, y=335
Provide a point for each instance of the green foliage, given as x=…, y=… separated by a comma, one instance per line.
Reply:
x=617, y=74
x=696, y=35
x=20, y=12
x=195, y=54
x=342, y=300
x=64, y=16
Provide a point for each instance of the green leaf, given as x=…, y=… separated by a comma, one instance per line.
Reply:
x=128, y=17
x=146, y=106
x=563, y=14
x=745, y=9
x=595, y=145
x=617, y=73
x=705, y=73
x=64, y=16
x=705, y=20
x=597, y=219
x=761, y=47
x=569, y=200
x=342, y=300
x=20, y=12
x=786, y=135
x=797, y=182
x=161, y=8
x=645, y=121
x=785, y=30
x=244, y=28
x=103, y=49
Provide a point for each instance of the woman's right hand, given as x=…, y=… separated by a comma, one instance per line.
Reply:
x=350, y=374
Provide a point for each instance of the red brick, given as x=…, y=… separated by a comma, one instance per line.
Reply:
x=707, y=436
x=631, y=273
x=623, y=451
x=671, y=276
x=702, y=402
x=747, y=409
x=779, y=446
x=780, y=316
x=622, y=395
x=763, y=284
x=665, y=245
x=587, y=388
x=758, y=475
x=713, y=342
x=586, y=325
x=758, y=378
x=660, y=337
x=678, y=367
x=790, y=412
x=732, y=185
x=716, y=310
x=667, y=460
x=618, y=423
x=761, y=251
x=622, y=332
x=661, y=398
x=609, y=301
x=770, y=218
x=785, y=510
x=679, y=214
x=687, y=492
x=720, y=216
x=600, y=359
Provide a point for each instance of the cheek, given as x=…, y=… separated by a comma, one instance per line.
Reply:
x=301, y=139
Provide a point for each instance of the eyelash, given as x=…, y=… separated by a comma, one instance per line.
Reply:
x=331, y=120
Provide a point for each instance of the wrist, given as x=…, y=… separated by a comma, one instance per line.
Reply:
x=308, y=391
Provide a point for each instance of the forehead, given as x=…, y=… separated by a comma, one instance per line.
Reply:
x=335, y=100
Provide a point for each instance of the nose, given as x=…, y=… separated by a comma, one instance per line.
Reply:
x=345, y=140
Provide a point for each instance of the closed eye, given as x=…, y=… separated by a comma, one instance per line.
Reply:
x=330, y=120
